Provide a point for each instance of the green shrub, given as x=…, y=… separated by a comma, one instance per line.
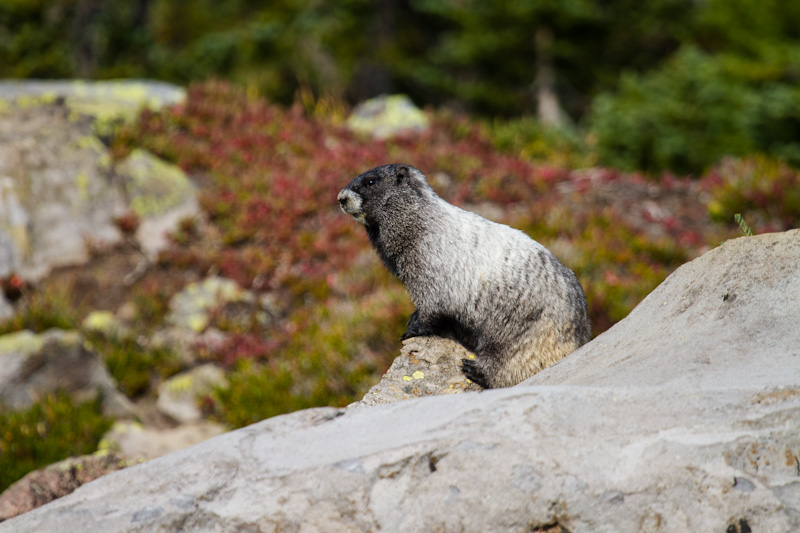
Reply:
x=682, y=117
x=51, y=430
x=40, y=311
x=529, y=139
x=134, y=366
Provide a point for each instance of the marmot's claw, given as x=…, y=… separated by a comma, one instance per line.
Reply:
x=473, y=373
x=408, y=334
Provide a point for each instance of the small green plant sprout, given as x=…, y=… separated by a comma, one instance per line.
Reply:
x=743, y=225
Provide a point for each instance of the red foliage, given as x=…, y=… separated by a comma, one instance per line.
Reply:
x=271, y=176
x=276, y=173
x=127, y=223
x=243, y=347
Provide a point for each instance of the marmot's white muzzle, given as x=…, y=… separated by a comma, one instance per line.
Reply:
x=350, y=203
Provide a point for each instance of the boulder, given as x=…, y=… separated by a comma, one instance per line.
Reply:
x=188, y=344
x=427, y=366
x=178, y=396
x=60, y=191
x=683, y=417
x=728, y=319
x=33, y=365
x=56, y=195
x=104, y=323
x=132, y=440
x=105, y=101
x=386, y=116
x=159, y=193
x=57, y=480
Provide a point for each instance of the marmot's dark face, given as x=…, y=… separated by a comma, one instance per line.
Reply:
x=373, y=195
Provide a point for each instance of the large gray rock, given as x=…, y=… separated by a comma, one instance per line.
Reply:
x=55, y=191
x=178, y=396
x=57, y=480
x=707, y=440
x=104, y=100
x=32, y=366
x=159, y=193
x=730, y=318
x=386, y=116
x=60, y=191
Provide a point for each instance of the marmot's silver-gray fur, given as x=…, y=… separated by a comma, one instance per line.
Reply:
x=492, y=288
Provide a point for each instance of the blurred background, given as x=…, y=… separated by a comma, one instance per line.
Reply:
x=215, y=282
x=613, y=68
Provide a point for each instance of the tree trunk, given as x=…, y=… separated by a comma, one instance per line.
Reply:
x=547, y=104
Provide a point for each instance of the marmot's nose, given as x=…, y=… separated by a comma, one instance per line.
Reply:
x=343, y=198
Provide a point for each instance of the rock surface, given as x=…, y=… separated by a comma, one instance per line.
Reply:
x=427, y=366
x=60, y=191
x=55, y=192
x=191, y=308
x=104, y=100
x=132, y=440
x=57, y=480
x=683, y=417
x=386, y=116
x=712, y=326
x=33, y=365
x=177, y=396
x=159, y=193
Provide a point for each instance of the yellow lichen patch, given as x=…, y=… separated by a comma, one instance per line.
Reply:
x=21, y=341
x=154, y=185
x=418, y=374
x=82, y=185
x=102, y=321
x=407, y=378
x=180, y=383
x=384, y=116
x=198, y=322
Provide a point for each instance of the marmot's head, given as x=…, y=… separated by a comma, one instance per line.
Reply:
x=384, y=192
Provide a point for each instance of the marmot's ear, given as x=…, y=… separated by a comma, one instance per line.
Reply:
x=402, y=174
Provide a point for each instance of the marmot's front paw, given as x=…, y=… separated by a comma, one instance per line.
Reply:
x=473, y=373
x=415, y=332
x=415, y=328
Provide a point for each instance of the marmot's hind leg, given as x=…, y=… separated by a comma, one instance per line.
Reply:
x=474, y=373
x=486, y=369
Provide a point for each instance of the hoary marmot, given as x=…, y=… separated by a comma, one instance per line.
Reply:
x=492, y=288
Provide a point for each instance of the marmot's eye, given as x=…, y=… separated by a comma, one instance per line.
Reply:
x=371, y=182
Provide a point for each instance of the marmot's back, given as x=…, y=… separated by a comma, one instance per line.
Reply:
x=501, y=294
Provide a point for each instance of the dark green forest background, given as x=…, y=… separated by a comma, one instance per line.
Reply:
x=651, y=86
